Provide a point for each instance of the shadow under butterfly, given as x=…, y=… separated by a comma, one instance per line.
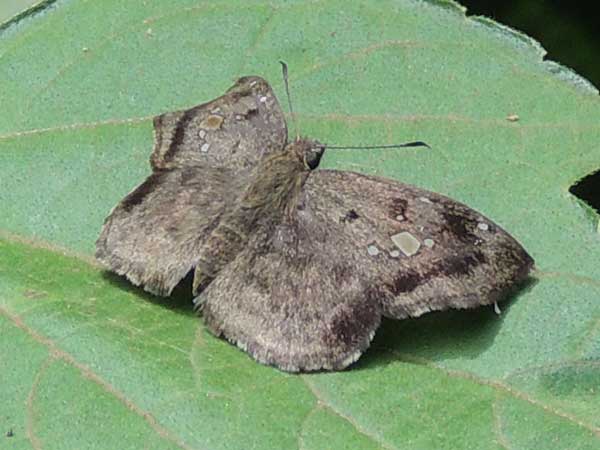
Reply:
x=296, y=266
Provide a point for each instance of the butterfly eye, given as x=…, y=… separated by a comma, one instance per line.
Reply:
x=312, y=157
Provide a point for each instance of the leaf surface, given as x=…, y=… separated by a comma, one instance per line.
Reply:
x=87, y=361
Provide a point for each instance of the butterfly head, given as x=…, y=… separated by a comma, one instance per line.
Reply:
x=308, y=151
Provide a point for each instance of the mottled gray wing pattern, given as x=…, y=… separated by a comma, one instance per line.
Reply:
x=235, y=130
x=200, y=162
x=420, y=250
x=155, y=234
x=308, y=294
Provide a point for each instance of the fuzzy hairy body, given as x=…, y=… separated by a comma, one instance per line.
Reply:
x=272, y=191
x=294, y=265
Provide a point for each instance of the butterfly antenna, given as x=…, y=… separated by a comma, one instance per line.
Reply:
x=369, y=147
x=287, y=91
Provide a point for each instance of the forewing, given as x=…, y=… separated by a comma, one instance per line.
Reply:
x=201, y=159
x=155, y=234
x=234, y=131
x=308, y=294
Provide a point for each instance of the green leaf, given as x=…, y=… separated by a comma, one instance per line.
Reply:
x=12, y=7
x=88, y=361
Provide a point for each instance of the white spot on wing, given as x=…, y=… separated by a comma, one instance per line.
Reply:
x=263, y=99
x=399, y=217
x=253, y=83
x=483, y=226
x=428, y=242
x=353, y=357
x=204, y=148
x=497, y=308
x=406, y=242
x=394, y=253
x=202, y=134
x=425, y=200
x=372, y=250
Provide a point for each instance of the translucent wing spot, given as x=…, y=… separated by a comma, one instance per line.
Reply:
x=428, y=243
x=263, y=99
x=425, y=200
x=406, y=242
x=202, y=134
x=483, y=226
x=397, y=208
x=394, y=253
x=212, y=122
x=204, y=147
x=372, y=250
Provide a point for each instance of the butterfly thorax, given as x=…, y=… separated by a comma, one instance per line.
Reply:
x=308, y=151
x=279, y=177
x=270, y=196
